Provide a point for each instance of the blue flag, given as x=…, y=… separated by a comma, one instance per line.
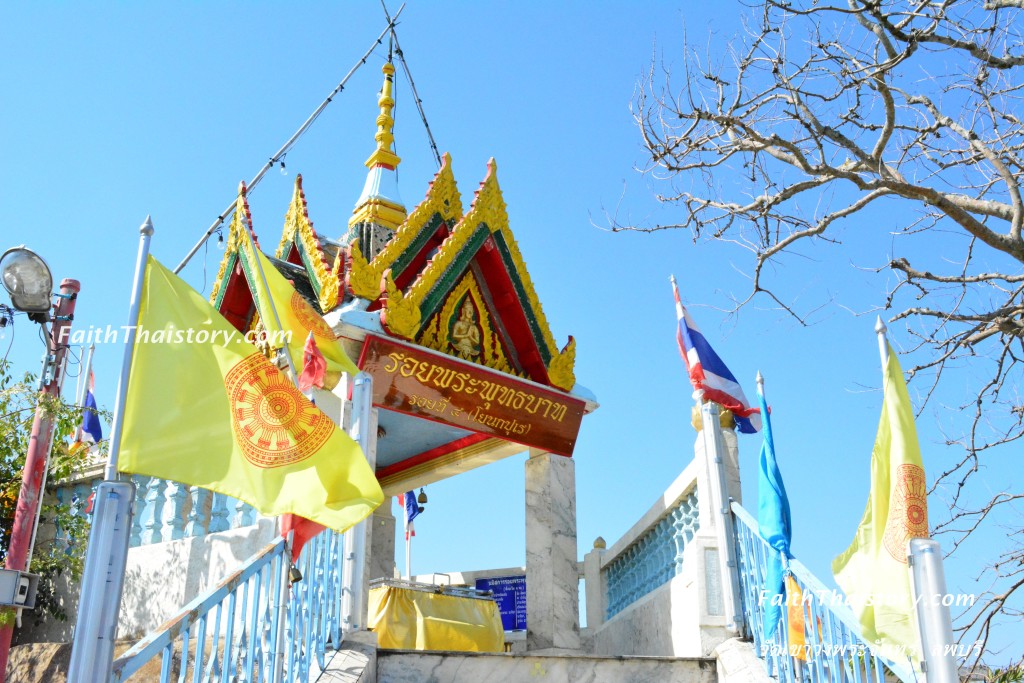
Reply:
x=773, y=521
x=91, y=418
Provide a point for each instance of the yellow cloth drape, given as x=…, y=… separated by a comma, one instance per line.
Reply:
x=406, y=619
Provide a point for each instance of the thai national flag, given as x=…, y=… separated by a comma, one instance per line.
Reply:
x=412, y=509
x=709, y=374
x=91, y=427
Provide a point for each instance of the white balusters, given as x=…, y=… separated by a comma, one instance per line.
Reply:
x=199, y=515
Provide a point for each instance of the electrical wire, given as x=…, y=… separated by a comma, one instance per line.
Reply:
x=281, y=153
x=412, y=84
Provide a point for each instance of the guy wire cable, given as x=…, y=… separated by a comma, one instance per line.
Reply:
x=291, y=141
x=412, y=85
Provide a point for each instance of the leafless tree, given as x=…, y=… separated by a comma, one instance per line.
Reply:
x=828, y=110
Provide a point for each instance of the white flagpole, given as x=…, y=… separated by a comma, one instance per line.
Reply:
x=103, y=577
x=714, y=449
x=270, y=300
x=408, y=549
x=84, y=388
x=883, y=343
x=284, y=592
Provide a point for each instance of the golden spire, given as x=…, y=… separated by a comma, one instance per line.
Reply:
x=384, y=155
x=380, y=203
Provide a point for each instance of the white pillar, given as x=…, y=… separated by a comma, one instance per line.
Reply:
x=552, y=576
x=382, y=550
x=596, y=584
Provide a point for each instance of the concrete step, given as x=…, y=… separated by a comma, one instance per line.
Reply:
x=399, y=666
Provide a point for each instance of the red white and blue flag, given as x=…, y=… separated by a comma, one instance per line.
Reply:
x=92, y=430
x=412, y=509
x=709, y=374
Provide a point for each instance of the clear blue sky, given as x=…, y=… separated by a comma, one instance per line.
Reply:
x=115, y=111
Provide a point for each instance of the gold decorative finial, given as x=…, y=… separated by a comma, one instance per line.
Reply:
x=385, y=136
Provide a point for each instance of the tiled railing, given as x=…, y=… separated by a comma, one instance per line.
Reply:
x=166, y=510
x=229, y=634
x=835, y=651
x=654, y=557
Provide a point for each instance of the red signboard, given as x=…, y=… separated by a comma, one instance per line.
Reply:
x=437, y=387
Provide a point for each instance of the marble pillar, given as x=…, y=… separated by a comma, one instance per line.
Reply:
x=382, y=550
x=552, y=576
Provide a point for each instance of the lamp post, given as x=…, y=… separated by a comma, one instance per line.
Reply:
x=28, y=281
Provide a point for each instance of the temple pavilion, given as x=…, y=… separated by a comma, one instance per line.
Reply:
x=437, y=305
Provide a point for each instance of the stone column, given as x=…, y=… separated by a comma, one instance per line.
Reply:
x=552, y=576
x=382, y=551
x=596, y=585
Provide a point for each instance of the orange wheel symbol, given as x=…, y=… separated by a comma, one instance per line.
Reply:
x=310, y=319
x=273, y=423
x=908, y=511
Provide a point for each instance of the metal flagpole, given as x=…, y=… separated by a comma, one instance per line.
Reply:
x=928, y=581
x=103, y=578
x=408, y=552
x=354, y=576
x=283, y=588
x=270, y=302
x=84, y=388
x=279, y=155
x=714, y=447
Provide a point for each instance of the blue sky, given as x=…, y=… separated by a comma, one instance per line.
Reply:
x=115, y=111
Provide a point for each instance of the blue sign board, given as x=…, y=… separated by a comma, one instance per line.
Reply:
x=510, y=594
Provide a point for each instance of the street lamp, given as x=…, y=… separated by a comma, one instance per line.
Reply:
x=27, y=279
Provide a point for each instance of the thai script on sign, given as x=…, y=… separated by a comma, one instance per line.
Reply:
x=450, y=379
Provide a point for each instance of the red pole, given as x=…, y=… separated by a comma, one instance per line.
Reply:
x=30, y=496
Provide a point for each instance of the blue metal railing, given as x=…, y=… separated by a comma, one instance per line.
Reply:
x=229, y=634
x=654, y=558
x=835, y=651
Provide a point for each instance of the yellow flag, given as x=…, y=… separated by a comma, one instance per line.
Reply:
x=297, y=316
x=204, y=407
x=795, y=619
x=873, y=571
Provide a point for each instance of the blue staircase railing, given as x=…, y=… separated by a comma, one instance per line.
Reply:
x=229, y=634
x=835, y=651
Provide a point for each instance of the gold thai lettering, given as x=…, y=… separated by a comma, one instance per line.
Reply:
x=510, y=427
x=436, y=405
x=488, y=392
x=395, y=358
x=427, y=373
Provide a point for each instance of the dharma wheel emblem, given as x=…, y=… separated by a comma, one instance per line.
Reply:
x=908, y=511
x=310, y=319
x=274, y=424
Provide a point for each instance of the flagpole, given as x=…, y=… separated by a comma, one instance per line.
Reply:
x=83, y=390
x=270, y=299
x=714, y=447
x=408, y=554
x=283, y=592
x=92, y=653
x=883, y=343
x=146, y=234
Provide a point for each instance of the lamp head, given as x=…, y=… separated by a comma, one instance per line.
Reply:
x=27, y=279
